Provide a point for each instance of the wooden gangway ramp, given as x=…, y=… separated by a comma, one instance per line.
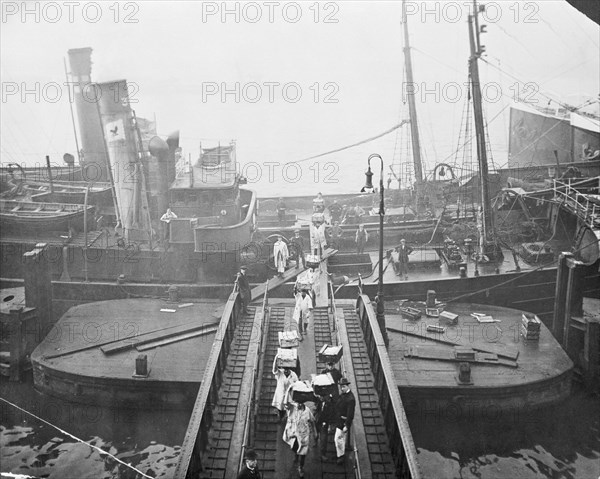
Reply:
x=233, y=411
x=289, y=275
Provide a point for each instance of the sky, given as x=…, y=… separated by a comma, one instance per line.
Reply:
x=291, y=80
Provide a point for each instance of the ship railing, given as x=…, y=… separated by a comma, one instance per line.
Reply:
x=259, y=329
x=195, y=442
x=579, y=202
x=182, y=166
x=400, y=437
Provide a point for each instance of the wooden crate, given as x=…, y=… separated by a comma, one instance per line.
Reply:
x=324, y=385
x=288, y=339
x=330, y=354
x=302, y=391
x=287, y=358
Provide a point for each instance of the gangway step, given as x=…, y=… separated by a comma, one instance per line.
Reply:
x=221, y=433
x=381, y=463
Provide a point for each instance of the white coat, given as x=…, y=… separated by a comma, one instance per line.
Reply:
x=283, y=383
x=281, y=255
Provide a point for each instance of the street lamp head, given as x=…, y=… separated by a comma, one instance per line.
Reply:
x=369, y=184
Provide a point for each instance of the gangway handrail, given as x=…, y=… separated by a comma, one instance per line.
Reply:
x=250, y=412
x=402, y=445
x=195, y=441
x=342, y=366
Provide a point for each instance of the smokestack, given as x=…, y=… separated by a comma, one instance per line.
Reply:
x=95, y=156
x=121, y=140
x=173, y=142
x=160, y=150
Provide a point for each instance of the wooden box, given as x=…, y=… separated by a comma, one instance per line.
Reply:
x=531, y=322
x=288, y=339
x=313, y=261
x=434, y=328
x=324, y=385
x=410, y=313
x=448, y=317
x=330, y=354
x=287, y=358
x=303, y=392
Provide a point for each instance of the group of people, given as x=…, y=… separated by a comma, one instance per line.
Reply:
x=303, y=426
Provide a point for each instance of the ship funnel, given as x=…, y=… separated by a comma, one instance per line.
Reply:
x=94, y=159
x=158, y=147
x=173, y=142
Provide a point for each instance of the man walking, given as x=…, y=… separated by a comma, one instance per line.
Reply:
x=280, y=255
x=250, y=469
x=244, y=287
x=344, y=411
x=303, y=311
x=297, y=249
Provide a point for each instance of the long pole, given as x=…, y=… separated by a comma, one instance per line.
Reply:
x=85, y=232
x=487, y=222
x=380, y=302
x=49, y=174
x=412, y=108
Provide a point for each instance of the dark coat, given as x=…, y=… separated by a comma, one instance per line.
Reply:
x=297, y=245
x=403, y=253
x=326, y=411
x=246, y=473
x=344, y=410
x=244, y=287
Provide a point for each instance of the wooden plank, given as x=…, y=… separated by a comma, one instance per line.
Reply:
x=128, y=343
x=512, y=355
x=175, y=339
x=445, y=354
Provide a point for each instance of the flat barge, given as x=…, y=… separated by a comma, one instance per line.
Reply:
x=475, y=365
x=92, y=353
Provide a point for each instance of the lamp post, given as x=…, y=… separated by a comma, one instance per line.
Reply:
x=380, y=303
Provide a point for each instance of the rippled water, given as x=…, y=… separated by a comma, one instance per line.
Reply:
x=562, y=441
x=148, y=440
x=558, y=442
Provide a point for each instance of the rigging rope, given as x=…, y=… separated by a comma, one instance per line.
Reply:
x=101, y=451
x=395, y=127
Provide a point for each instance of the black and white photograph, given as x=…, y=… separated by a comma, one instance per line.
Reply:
x=353, y=239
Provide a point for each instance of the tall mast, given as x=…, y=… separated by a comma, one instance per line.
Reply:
x=412, y=109
x=476, y=51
